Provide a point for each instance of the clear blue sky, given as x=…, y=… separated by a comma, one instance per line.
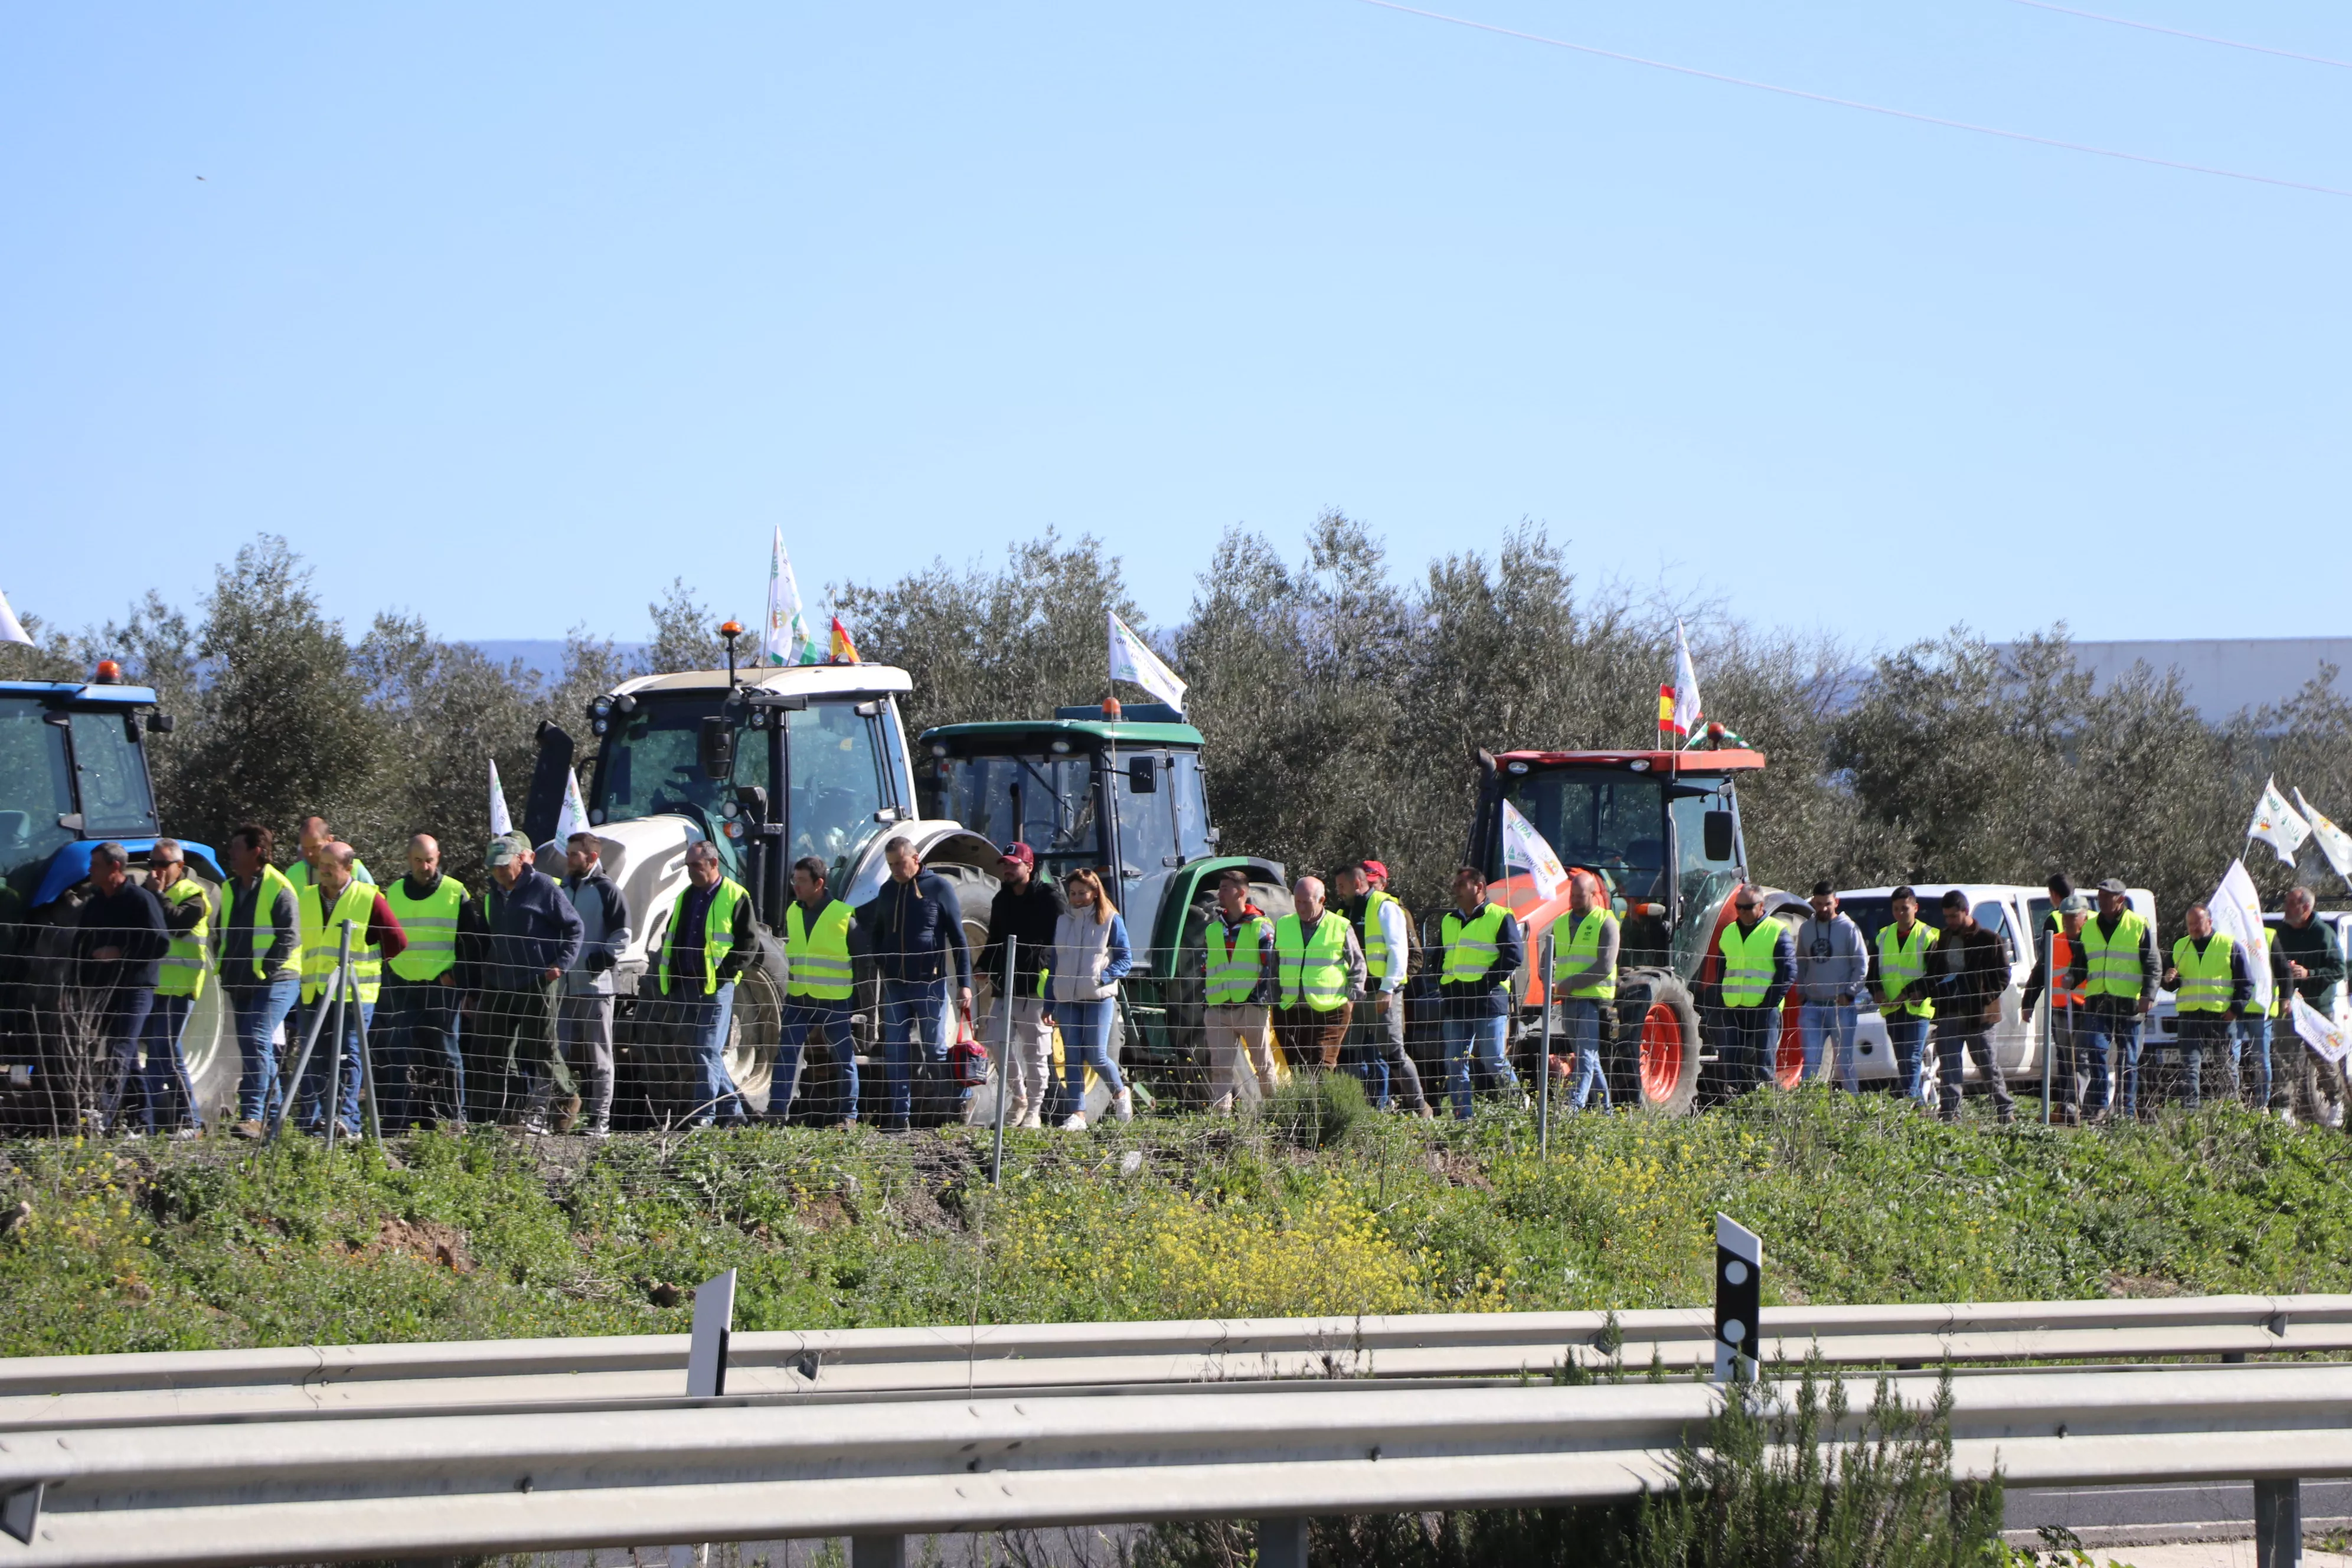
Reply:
x=509, y=314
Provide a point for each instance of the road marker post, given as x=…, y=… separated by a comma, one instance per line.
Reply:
x=1739, y=1299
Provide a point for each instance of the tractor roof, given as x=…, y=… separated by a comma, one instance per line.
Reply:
x=1728, y=760
x=807, y=679
x=1116, y=733
x=81, y=692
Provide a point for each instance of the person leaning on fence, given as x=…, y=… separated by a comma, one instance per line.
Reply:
x=421, y=1065
x=1759, y=963
x=314, y=836
x=2120, y=990
x=335, y=901
x=2307, y=946
x=1970, y=968
x=710, y=944
x=2069, y=961
x=1480, y=947
x=1090, y=957
x=171, y=1106
x=2211, y=988
x=1898, y=981
x=1320, y=967
x=1240, y=978
x=817, y=993
x=258, y=953
x=119, y=945
x=913, y=928
x=514, y=1058
x=584, y=1024
x=1584, y=945
x=1384, y=929
x=1027, y=912
x=1833, y=977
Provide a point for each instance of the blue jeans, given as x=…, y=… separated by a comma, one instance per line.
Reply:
x=802, y=1014
x=911, y=1015
x=699, y=1025
x=1907, y=1037
x=1474, y=1043
x=2102, y=1032
x=170, y=1098
x=1579, y=1024
x=1815, y=1021
x=122, y=1014
x=255, y=1011
x=1752, y=1047
x=310, y=1094
x=1086, y=1043
x=2253, y=1034
x=421, y=1075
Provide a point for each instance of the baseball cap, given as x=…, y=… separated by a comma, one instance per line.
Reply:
x=1374, y=868
x=501, y=852
x=1020, y=854
x=2073, y=904
x=2115, y=885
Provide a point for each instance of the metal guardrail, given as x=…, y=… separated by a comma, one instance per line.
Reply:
x=827, y=1364
x=272, y=1491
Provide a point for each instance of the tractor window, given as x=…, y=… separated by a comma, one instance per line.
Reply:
x=1703, y=884
x=651, y=768
x=113, y=776
x=1606, y=821
x=1045, y=800
x=35, y=789
x=838, y=784
x=1186, y=787
x=1146, y=842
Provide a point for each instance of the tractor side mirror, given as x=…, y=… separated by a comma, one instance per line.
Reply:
x=159, y=723
x=716, y=748
x=1717, y=835
x=1143, y=776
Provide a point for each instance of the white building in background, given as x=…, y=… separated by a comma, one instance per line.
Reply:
x=2223, y=675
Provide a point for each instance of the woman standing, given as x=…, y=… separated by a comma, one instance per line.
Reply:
x=1089, y=956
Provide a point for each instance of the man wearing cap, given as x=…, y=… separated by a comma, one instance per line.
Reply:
x=2119, y=990
x=514, y=1066
x=1384, y=931
x=1024, y=914
x=2062, y=970
x=170, y=1098
x=1898, y=980
x=1969, y=970
x=2212, y=986
x=1832, y=973
x=1757, y=963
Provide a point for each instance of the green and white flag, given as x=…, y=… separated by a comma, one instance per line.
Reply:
x=785, y=639
x=574, y=817
x=2334, y=842
x=2277, y=824
x=501, y=823
x=2325, y=1037
x=2236, y=911
x=11, y=628
x=1132, y=660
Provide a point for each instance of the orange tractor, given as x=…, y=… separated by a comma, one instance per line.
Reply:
x=1661, y=832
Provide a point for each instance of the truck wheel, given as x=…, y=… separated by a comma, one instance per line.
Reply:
x=1659, y=1042
x=753, y=1036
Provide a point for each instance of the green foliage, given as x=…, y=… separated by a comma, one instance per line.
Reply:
x=1317, y=1110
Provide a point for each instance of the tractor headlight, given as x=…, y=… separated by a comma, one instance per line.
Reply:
x=626, y=702
x=730, y=811
x=599, y=708
x=1515, y=767
x=1061, y=748
x=759, y=718
x=600, y=724
x=734, y=830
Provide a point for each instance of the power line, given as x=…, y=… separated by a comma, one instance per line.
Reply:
x=1856, y=103
x=2177, y=33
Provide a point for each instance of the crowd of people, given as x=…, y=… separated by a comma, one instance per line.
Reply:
x=499, y=1008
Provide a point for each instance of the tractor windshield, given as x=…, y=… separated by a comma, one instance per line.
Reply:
x=649, y=767
x=1045, y=799
x=1606, y=820
x=35, y=789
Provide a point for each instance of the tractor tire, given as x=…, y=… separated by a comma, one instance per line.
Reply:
x=754, y=1035
x=1658, y=1042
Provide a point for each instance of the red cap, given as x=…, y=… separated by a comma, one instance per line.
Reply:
x=1374, y=868
x=1020, y=854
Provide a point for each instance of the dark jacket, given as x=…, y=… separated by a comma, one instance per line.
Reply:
x=532, y=929
x=131, y=919
x=912, y=928
x=232, y=937
x=1488, y=996
x=1027, y=916
x=2315, y=948
x=605, y=932
x=1967, y=972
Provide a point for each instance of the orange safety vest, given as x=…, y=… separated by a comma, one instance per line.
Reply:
x=2062, y=962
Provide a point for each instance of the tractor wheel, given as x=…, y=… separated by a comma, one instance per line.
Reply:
x=754, y=1035
x=1659, y=1042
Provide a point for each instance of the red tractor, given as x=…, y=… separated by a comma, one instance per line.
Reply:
x=1661, y=832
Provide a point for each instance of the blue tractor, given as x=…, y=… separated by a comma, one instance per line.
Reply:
x=73, y=775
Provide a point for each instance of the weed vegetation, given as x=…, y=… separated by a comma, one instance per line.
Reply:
x=1307, y=1209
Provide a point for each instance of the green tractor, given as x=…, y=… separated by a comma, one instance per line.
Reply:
x=1120, y=791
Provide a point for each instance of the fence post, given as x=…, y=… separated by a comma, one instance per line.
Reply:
x=372, y=1117
x=877, y=1552
x=1282, y=1543
x=333, y=1104
x=1739, y=1296
x=1543, y=1063
x=2278, y=1524
x=2050, y=983
x=1004, y=994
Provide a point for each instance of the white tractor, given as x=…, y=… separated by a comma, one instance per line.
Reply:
x=771, y=764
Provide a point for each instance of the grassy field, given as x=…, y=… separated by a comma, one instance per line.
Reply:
x=1314, y=1208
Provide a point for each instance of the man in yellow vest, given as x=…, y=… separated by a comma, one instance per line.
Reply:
x=334, y=900
x=2062, y=973
x=1385, y=930
x=422, y=1066
x=2120, y=988
x=171, y=1107
x=818, y=995
x=1240, y=978
x=1320, y=966
x=709, y=942
x=2211, y=988
x=1480, y=948
x=1898, y=981
x=1755, y=963
x=257, y=954
x=1584, y=945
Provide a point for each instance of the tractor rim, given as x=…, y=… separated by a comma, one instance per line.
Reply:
x=1661, y=1052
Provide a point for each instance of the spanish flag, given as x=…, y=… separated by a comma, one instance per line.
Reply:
x=1666, y=706
x=844, y=650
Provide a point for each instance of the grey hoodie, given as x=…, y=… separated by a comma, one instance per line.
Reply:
x=1830, y=959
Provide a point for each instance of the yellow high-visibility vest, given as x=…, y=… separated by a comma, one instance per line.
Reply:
x=322, y=938
x=820, y=957
x=431, y=923
x=264, y=928
x=1575, y=946
x=186, y=965
x=1471, y=946
x=1231, y=970
x=1901, y=962
x=2114, y=960
x=717, y=931
x=1313, y=967
x=2205, y=984
x=1747, y=961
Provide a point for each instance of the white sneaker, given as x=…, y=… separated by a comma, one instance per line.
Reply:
x=187, y=1132
x=1036, y=1117
x=1075, y=1123
x=1123, y=1105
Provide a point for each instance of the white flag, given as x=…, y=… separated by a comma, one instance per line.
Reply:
x=2321, y=1033
x=11, y=628
x=1131, y=659
x=501, y=823
x=785, y=639
x=2277, y=824
x=1689, y=712
x=2236, y=911
x=574, y=817
x=2334, y=842
x=1523, y=845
